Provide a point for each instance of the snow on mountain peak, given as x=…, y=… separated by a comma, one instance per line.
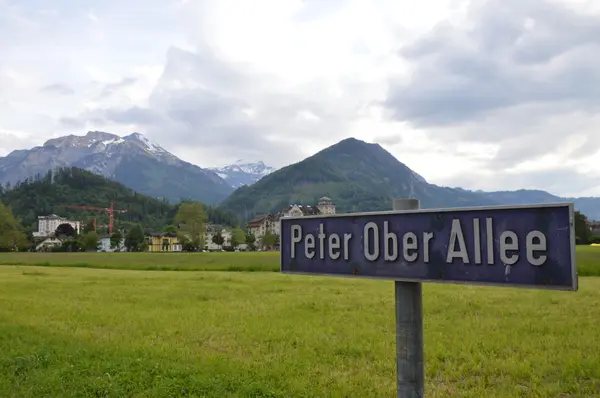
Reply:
x=243, y=172
x=149, y=145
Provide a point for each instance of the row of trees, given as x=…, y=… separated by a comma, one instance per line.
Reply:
x=190, y=227
x=189, y=224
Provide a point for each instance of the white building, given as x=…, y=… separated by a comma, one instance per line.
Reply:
x=48, y=224
x=104, y=245
x=212, y=230
x=48, y=243
x=264, y=223
x=325, y=205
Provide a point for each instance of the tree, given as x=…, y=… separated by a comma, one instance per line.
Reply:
x=218, y=239
x=250, y=238
x=251, y=241
x=171, y=228
x=135, y=241
x=70, y=244
x=115, y=240
x=12, y=237
x=269, y=239
x=89, y=241
x=237, y=237
x=583, y=232
x=89, y=227
x=191, y=220
x=65, y=230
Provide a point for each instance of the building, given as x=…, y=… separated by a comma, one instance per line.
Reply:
x=264, y=223
x=48, y=224
x=259, y=225
x=325, y=205
x=594, y=227
x=211, y=231
x=164, y=242
x=104, y=245
x=48, y=244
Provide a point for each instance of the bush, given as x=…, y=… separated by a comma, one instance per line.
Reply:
x=595, y=239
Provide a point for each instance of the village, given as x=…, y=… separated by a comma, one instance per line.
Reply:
x=264, y=228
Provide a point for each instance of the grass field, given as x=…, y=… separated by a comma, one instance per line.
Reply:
x=118, y=333
x=588, y=261
x=219, y=261
x=115, y=332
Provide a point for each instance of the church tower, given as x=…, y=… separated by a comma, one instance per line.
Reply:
x=325, y=205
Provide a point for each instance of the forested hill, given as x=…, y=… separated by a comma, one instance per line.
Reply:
x=73, y=186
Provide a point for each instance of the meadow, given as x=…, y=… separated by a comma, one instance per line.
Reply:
x=588, y=261
x=67, y=330
x=146, y=261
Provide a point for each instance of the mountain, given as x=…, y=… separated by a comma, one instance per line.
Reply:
x=590, y=206
x=72, y=186
x=243, y=173
x=132, y=160
x=358, y=177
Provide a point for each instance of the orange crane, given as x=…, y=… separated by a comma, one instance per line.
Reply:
x=110, y=210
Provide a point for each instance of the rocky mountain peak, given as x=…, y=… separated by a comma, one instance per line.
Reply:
x=133, y=160
x=78, y=141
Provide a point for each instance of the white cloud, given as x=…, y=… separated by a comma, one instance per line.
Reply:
x=468, y=93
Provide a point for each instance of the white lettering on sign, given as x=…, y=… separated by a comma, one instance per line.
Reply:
x=536, y=242
x=456, y=236
x=371, y=249
x=331, y=245
x=468, y=239
x=508, y=245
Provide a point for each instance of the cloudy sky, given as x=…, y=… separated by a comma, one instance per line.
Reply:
x=497, y=94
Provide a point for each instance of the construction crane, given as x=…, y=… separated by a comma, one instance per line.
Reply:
x=98, y=226
x=110, y=210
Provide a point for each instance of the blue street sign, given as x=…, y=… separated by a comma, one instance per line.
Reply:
x=522, y=246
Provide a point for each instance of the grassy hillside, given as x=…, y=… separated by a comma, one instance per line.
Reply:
x=356, y=175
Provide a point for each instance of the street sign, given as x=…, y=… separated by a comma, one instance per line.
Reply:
x=520, y=246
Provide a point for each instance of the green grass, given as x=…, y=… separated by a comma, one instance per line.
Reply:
x=219, y=261
x=588, y=261
x=69, y=332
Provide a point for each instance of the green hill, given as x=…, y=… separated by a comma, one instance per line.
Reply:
x=73, y=186
x=356, y=175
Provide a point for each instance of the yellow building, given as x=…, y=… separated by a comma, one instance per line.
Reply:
x=163, y=242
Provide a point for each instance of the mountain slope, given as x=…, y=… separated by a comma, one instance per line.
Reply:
x=132, y=160
x=590, y=206
x=73, y=186
x=358, y=177
x=243, y=173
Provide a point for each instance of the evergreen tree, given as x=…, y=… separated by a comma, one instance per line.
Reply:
x=115, y=240
x=135, y=241
x=583, y=232
x=218, y=239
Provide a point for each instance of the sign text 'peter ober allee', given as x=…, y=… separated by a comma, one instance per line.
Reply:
x=520, y=246
x=530, y=246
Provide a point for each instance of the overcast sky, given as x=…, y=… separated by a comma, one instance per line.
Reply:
x=498, y=94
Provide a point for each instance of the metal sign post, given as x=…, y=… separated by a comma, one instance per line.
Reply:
x=410, y=367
